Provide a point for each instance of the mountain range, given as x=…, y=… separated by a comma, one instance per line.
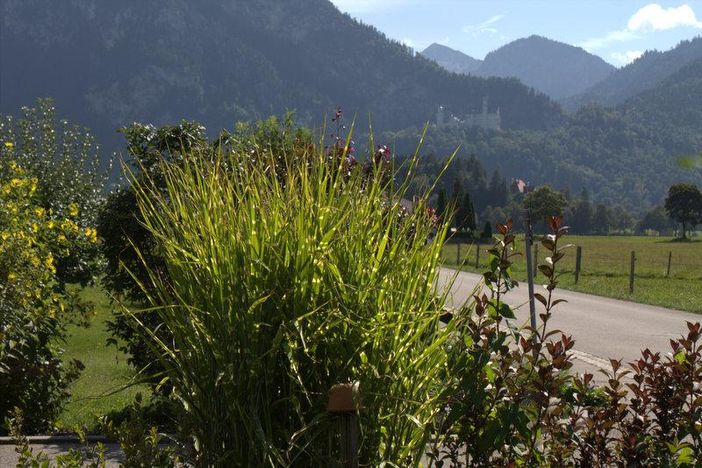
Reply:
x=554, y=68
x=621, y=139
x=108, y=64
x=218, y=61
x=569, y=74
x=452, y=60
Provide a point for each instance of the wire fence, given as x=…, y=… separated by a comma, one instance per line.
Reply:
x=600, y=258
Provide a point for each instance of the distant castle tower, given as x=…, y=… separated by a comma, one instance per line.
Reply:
x=483, y=120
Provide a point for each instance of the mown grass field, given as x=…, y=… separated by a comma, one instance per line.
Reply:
x=605, y=268
x=98, y=390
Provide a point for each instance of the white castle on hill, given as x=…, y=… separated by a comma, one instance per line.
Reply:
x=483, y=120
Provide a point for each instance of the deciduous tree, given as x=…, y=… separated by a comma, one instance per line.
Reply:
x=544, y=202
x=684, y=205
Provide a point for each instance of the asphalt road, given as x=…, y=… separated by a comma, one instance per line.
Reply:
x=602, y=328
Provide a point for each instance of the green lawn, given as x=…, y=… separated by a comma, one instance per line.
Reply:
x=106, y=369
x=605, y=268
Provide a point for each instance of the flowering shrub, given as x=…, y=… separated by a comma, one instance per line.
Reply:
x=65, y=163
x=35, y=306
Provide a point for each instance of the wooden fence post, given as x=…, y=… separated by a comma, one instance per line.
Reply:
x=458, y=253
x=477, y=254
x=631, y=272
x=530, y=271
x=343, y=404
x=670, y=258
x=578, y=260
x=536, y=258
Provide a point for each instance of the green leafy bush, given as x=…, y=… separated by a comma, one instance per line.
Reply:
x=86, y=456
x=512, y=399
x=287, y=273
x=140, y=441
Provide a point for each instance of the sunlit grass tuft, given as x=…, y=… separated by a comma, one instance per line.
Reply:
x=288, y=274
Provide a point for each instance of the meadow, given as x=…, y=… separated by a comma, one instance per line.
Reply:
x=105, y=385
x=605, y=268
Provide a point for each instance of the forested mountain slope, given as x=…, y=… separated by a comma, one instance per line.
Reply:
x=672, y=109
x=628, y=155
x=642, y=74
x=218, y=61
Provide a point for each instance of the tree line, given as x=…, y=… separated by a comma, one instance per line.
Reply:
x=475, y=199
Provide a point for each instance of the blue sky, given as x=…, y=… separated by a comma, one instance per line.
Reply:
x=616, y=30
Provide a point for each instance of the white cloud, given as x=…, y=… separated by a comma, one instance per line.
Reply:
x=651, y=17
x=613, y=36
x=626, y=57
x=483, y=28
x=654, y=17
x=409, y=42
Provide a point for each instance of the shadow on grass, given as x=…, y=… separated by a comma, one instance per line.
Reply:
x=679, y=240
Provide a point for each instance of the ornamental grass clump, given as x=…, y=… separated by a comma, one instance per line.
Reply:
x=287, y=274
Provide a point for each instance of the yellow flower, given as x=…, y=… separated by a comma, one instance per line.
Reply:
x=39, y=212
x=69, y=226
x=50, y=224
x=14, y=183
x=11, y=276
x=91, y=234
x=73, y=209
x=61, y=238
x=9, y=145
